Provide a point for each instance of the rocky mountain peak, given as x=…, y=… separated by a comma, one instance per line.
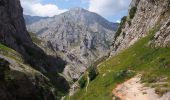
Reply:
x=78, y=9
x=81, y=35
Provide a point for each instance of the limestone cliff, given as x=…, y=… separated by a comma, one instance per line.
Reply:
x=144, y=16
x=13, y=34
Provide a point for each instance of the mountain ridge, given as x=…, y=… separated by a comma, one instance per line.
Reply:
x=79, y=35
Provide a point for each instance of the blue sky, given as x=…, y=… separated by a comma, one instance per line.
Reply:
x=112, y=10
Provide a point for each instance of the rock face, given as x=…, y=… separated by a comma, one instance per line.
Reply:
x=13, y=34
x=22, y=85
x=144, y=16
x=80, y=35
x=12, y=24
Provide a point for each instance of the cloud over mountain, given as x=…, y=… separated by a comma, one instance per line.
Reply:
x=108, y=7
x=36, y=8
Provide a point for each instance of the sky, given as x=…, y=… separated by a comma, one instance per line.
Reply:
x=112, y=10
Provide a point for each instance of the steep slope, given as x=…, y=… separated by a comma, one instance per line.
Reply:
x=13, y=35
x=143, y=16
x=141, y=46
x=78, y=35
x=19, y=81
x=152, y=63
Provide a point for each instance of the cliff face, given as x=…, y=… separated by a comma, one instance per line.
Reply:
x=12, y=24
x=20, y=82
x=13, y=34
x=144, y=16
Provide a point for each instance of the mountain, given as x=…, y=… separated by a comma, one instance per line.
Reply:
x=26, y=70
x=139, y=65
x=78, y=35
x=32, y=19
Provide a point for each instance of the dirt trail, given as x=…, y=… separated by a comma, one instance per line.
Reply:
x=88, y=80
x=133, y=89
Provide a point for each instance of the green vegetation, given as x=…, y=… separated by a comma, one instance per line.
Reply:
x=92, y=73
x=121, y=26
x=132, y=12
x=6, y=51
x=5, y=48
x=83, y=81
x=153, y=63
x=124, y=73
x=35, y=39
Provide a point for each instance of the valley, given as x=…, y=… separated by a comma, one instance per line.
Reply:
x=78, y=36
x=78, y=54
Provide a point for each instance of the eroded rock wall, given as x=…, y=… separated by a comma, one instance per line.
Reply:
x=144, y=15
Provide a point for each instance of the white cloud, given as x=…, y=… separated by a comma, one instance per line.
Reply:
x=108, y=7
x=118, y=21
x=35, y=8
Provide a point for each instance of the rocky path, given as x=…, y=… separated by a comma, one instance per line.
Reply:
x=88, y=80
x=133, y=89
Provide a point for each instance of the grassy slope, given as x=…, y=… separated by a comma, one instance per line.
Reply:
x=152, y=62
x=17, y=58
x=4, y=50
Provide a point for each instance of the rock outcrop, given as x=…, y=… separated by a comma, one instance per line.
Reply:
x=12, y=26
x=17, y=83
x=144, y=16
x=13, y=34
x=79, y=35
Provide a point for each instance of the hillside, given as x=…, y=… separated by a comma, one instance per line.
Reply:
x=141, y=47
x=152, y=63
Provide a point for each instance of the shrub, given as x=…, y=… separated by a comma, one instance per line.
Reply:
x=122, y=25
x=82, y=82
x=124, y=73
x=132, y=12
x=92, y=73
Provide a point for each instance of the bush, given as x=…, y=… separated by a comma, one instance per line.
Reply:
x=122, y=25
x=124, y=73
x=132, y=12
x=82, y=82
x=92, y=73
